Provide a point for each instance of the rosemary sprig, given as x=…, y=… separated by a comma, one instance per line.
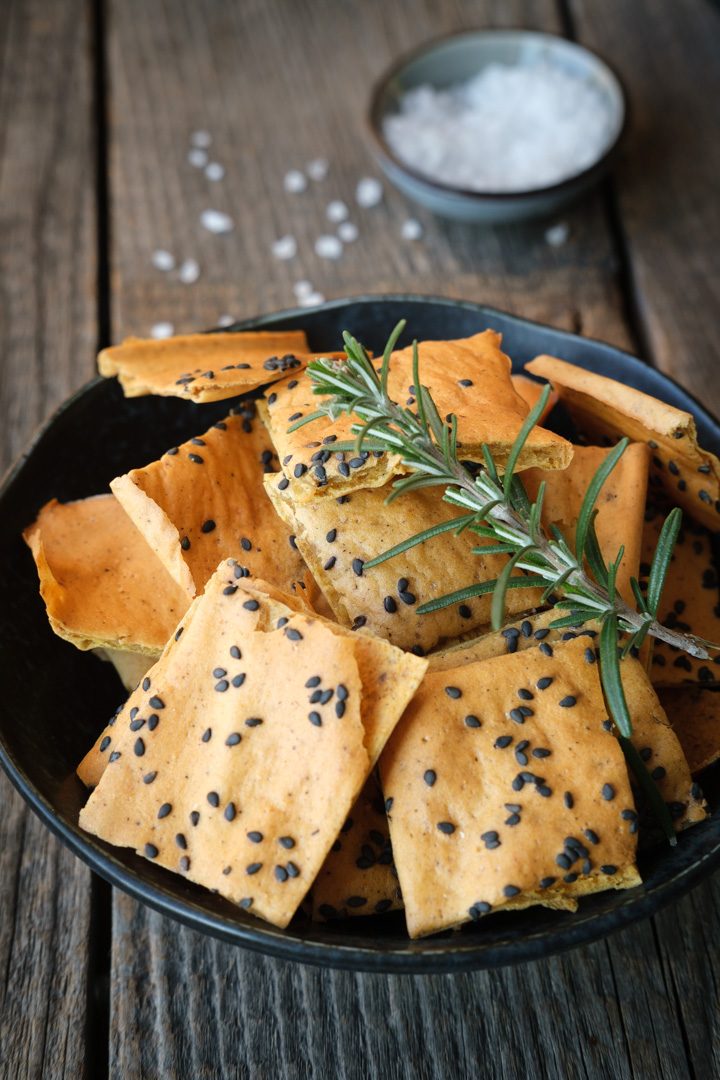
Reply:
x=497, y=509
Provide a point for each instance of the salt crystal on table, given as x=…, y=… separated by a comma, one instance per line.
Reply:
x=197, y=157
x=214, y=171
x=163, y=260
x=294, y=181
x=312, y=300
x=226, y=320
x=216, y=222
x=336, y=210
x=348, y=232
x=328, y=247
x=302, y=289
x=411, y=229
x=317, y=169
x=510, y=128
x=557, y=235
x=201, y=138
x=285, y=247
x=369, y=192
x=189, y=271
x=162, y=330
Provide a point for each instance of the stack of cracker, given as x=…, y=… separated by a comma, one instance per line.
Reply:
x=296, y=735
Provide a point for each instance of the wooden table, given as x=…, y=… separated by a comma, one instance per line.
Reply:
x=98, y=104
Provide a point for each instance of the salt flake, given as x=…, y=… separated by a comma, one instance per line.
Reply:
x=557, y=235
x=348, y=232
x=189, y=271
x=226, y=320
x=163, y=260
x=302, y=289
x=336, y=210
x=197, y=158
x=313, y=299
x=328, y=247
x=201, y=139
x=411, y=229
x=317, y=169
x=214, y=171
x=285, y=247
x=369, y=192
x=162, y=330
x=216, y=222
x=294, y=181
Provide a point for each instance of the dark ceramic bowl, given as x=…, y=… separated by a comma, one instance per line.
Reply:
x=56, y=700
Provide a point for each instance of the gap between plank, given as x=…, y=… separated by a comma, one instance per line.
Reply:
x=102, y=169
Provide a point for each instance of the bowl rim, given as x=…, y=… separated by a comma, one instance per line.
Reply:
x=373, y=121
x=443, y=955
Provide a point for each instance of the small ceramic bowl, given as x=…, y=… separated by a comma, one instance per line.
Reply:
x=456, y=59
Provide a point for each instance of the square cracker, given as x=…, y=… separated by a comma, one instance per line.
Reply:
x=652, y=735
x=101, y=584
x=358, y=876
x=486, y=811
x=604, y=407
x=620, y=504
x=469, y=377
x=242, y=752
x=690, y=602
x=336, y=537
x=389, y=676
x=694, y=713
x=204, y=367
x=204, y=501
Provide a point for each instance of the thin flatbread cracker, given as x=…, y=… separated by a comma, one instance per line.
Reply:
x=530, y=391
x=242, y=751
x=204, y=367
x=388, y=675
x=358, y=876
x=694, y=713
x=101, y=584
x=503, y=788
x=690, y=602
x=469, y=377
x=130, y=666
x=620, y=504
x=604, y=407
x=204, y=501
x=336, y=538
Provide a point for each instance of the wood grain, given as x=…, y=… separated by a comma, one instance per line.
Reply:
x=49, y=331
x=669, y=60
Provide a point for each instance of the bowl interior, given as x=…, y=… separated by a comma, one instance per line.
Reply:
x=460, y=57
x=57, y=699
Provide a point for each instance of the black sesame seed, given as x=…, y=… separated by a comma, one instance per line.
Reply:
x=139, y=748
x=156, y=703
x=408, y=597
x=390, y=605
x=357, y=565
x=453, y=692
x=194, y=817
x=233, y=739
x=196, y=459
x=206, y=735
x=517, y=715
x=213, y=798
x=207, y=526
x=315, y=718
x=164, y=810
x=255, y=837
x=545, y=649
x=185, y=543
x=253, y=868
x=230, y=812
x=542, y=684
x=608, y=792
x=221, y=686
x=525, y=695
x=286, y=842
x=251, y=605
x=429, y=776
x=181, y=841
x=314, y=680
x=151, y=852
x=568, y=800
x=510, y=890
x=472, y=721
x=149, y=777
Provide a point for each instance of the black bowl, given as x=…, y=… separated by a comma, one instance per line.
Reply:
x=56, y=700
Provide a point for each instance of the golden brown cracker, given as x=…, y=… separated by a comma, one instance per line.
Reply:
x=604, y=407
x=101, y=584
x=694, y=713
x=503, y=786
x=469, y=377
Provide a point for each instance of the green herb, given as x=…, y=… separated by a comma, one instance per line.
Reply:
x=496, y=508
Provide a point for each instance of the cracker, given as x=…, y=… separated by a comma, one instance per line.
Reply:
x=620, y=504
x=358, y=876
x=652, y=735
x=101, y=584
x=690, y=602
x=204, y=501
x=488, y=411
x=336, y=538
x=530, y=391
x=204, y=367
x=243, y=742
x=482, y=816
x=130, y=666
x=694, y=713
x=604, y=407
x=388, y=675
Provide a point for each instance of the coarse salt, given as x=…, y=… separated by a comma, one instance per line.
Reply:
x=285, y=247
x=312, y=299
x=163, y=260
x=411, y=229
x=201, y=138
x=226, y=320
x=302, y=289
x=348, y=232
x=557, y=235
x=510, y=128
x=189, y=271
x=197, y=157
x=214, y=171
x=336, y=210
x=215, y=221
x=328, y=247
x=369, y=192
x=162, y=330
x=294, y=181
x=317, y=169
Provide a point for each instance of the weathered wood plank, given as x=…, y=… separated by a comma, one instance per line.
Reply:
x=49, y=331
x=669, y=60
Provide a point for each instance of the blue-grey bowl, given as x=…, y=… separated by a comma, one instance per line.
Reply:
x=46, y=725
x=457, y=58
